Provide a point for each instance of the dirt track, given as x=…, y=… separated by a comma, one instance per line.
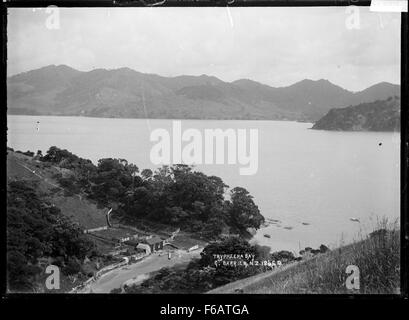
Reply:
x=114, y=279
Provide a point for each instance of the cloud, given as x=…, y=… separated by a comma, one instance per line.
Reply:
x=276, y=46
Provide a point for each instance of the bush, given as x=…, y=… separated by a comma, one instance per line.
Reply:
x=73, y=266
x=36, y=229
x=323, y=248
x=283, y=256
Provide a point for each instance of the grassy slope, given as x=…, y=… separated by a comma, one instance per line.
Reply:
x=86, y=213
x=378, y=259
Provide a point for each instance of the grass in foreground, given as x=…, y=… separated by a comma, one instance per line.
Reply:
x=377, y=257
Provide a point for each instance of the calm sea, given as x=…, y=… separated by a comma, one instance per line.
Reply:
x=311, y=181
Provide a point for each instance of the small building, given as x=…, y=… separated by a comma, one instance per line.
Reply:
x=145, y=247
x=124, y=239
x=95, y=229
x=155, y=243
x=132, y=243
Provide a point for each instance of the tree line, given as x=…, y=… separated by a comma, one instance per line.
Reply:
x=174, y=195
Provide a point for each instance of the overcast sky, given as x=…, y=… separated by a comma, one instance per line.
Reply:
x=275, y=46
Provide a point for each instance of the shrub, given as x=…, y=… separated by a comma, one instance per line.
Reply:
x=72, y=267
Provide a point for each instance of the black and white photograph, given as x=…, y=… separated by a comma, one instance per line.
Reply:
x=203, y=150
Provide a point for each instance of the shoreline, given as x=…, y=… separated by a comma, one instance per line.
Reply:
x=169, y=119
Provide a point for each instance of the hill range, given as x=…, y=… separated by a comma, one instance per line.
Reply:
x=125, y=93
x=381, y=115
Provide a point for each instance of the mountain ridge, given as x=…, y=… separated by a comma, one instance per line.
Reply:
x=123, y=92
